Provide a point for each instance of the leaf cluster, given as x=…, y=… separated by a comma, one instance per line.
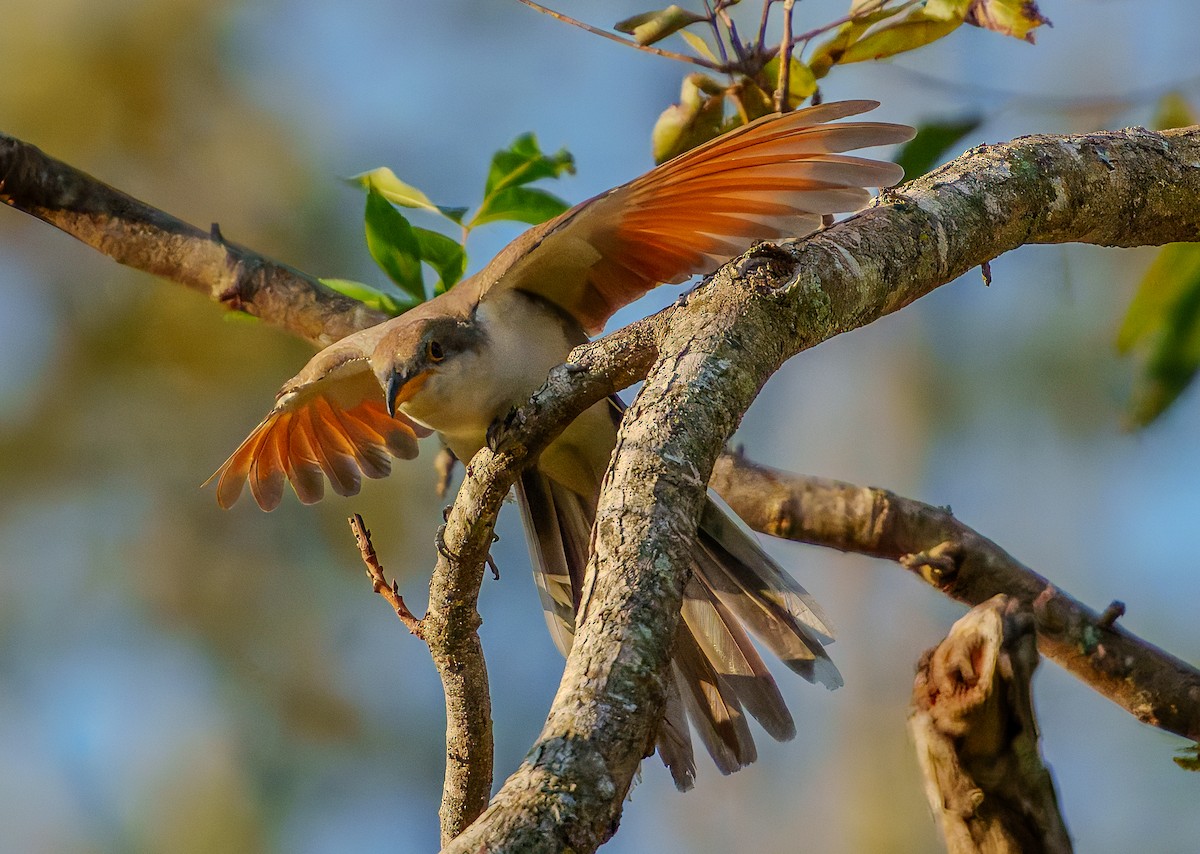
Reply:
x=762, y=77
x=405, y=251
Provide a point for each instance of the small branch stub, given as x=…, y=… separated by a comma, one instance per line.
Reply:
x=379, y=581
x=1114, y=611
x=977, y=739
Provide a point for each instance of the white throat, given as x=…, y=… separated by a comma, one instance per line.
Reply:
x=471, y=390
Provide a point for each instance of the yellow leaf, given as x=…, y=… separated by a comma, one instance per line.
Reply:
x=650, y=27
x=830, y=52
x=914, y=31
x=1016, y=18
x=384, y=181
x=699, y=45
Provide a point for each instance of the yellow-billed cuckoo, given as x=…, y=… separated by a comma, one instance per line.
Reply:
x=461, y=361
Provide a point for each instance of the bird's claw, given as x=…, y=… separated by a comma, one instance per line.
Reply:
x=499, y=430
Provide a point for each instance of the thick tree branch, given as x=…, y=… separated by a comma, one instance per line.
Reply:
x=1148, y=682
x=143, y=237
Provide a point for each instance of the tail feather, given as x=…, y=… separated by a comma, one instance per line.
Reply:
x=718, y=674
x=760, y=574
x=674, y=740
x=712, y=707
x=725, y=643
x=552, y=571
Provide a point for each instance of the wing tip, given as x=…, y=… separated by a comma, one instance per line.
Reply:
x=299, y=448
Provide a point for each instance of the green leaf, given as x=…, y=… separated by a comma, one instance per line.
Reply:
x=523, y=163
x=933, y=140
x=392, y=304
x=830, y=52
x=1016, y=18
x=384, y=181
x=1162, y=325
x=650, y=27
x=699, y=45
x=698, y=117
x=393, y=245
x=519, y=204
x=1189, y=758
x=444, y=254
x=802, y=83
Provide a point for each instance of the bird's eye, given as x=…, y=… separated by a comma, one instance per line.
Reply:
x=434, y=351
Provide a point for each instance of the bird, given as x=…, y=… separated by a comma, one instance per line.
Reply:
x=465, y=359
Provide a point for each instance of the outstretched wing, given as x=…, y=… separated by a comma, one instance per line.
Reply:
x=775, y=177
x=335, y=425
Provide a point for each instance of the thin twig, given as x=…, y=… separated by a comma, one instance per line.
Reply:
x=760, y=43
x=657, y=51
x=785, y=59
x=1114, y=611
x=379, y=581
x=716, y=31
x=735, y=40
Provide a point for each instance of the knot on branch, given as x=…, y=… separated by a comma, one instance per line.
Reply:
x=766, y=267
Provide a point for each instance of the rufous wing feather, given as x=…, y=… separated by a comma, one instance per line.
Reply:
x=776, y=177
x=334, y=427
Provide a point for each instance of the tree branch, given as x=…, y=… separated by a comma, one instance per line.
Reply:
x=977, y=738
x=138, y=235
x=379, y=583
x=1148, y=682
x=450, y=626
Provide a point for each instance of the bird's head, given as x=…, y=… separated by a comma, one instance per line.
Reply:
x=417, y=350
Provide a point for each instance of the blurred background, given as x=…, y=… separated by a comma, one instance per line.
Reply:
x=178, y=678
